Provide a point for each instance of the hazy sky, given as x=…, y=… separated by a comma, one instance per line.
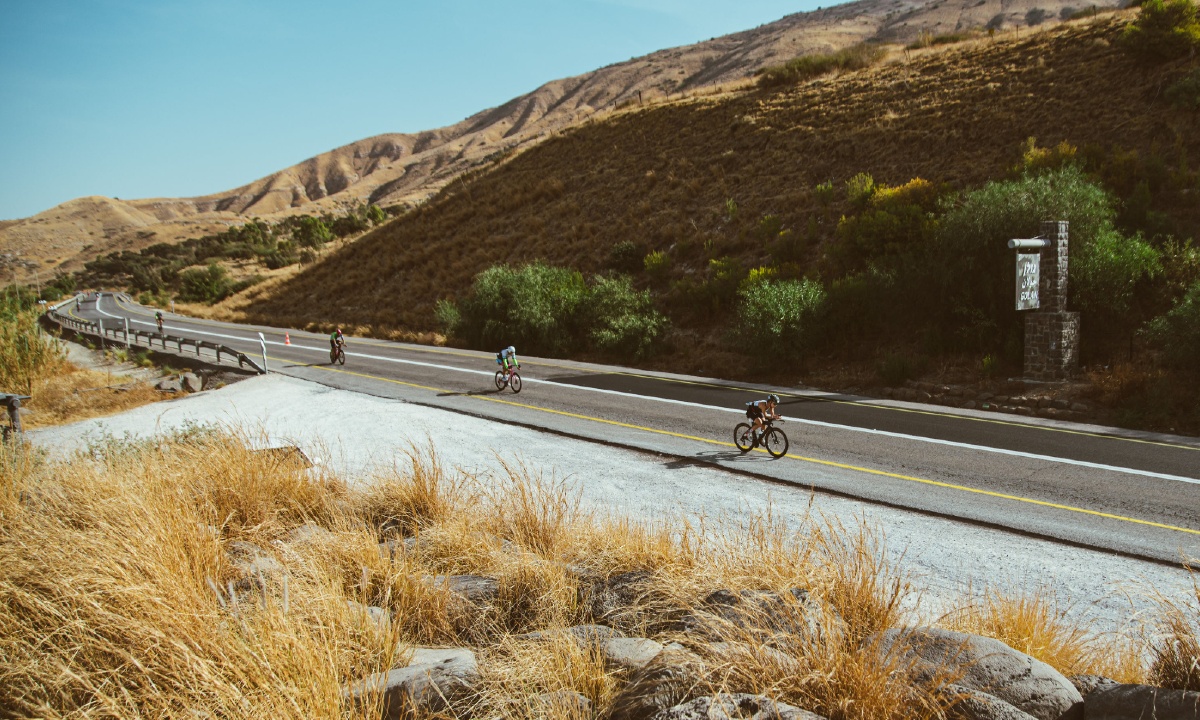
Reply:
x=165, y=98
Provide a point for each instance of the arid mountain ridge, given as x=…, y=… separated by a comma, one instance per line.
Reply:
x=398, y=168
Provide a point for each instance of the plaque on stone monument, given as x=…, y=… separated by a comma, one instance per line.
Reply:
x=1029, y=276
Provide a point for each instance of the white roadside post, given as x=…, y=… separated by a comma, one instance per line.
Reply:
x=263, y=341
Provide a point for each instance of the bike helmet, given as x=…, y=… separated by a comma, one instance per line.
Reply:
x=511, y=350
x=773, y=398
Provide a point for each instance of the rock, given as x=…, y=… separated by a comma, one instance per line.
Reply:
x=1087, y=684
x=583, y=634
x=760, y=612
x=1141, y=702
x=476, y=589
x=1025, y=411
x=1060, y=404
x=376, y=615
x=309, y=533
x=1079, y=408
x=432, y=681
x=611, y=598
x=977, y=705
x=886, y=392
x=923, y=396
x=968, y=405
x=667, y=681
x=191, y=382
x=565, y=704
x=734, y=652
x=1043, y=402
x=256, y=566
x=987, y=665
x=739, y=706
x=984, y=396
x=1000, y=399
x=171, y=385
x=629, y=654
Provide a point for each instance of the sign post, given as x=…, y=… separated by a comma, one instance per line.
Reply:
x=263, y=341
x=1051, y=333
x=127, y=334
x=1029, y=275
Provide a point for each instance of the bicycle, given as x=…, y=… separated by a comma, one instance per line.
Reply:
x=511, y=379
x=337, y=354
x=158, y=321
x=774, y=440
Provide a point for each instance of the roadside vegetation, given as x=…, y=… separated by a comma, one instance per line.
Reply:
x=197, y=270
x=208, y=579
x=34, y=363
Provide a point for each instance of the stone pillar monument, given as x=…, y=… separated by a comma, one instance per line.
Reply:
x=1052, y=333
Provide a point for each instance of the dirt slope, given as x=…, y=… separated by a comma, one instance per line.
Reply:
x=395, y=169
x=665, y=176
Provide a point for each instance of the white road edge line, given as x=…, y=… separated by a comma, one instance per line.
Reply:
x=817, y=423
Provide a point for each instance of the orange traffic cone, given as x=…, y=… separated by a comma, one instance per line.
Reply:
x=287, y=340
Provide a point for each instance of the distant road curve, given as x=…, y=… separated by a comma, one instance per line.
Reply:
x=1132, y=493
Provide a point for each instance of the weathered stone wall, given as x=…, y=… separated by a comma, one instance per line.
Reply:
x=1052, y=333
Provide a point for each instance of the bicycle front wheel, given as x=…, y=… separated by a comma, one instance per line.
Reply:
x=515, y=383
x=742, y=437
x=341, y=357
x=499, y=379
x=776, y=442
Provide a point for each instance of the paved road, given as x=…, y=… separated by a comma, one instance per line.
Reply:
x=1131, y=493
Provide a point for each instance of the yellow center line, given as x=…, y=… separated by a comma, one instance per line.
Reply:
x=800, y=458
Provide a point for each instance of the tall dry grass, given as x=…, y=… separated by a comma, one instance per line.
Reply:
x=121, y=592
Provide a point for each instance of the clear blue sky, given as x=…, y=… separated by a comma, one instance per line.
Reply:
x=172, y=98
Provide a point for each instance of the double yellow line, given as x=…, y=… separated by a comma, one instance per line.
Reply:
x=815, y=461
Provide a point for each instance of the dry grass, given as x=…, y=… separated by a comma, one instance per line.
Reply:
x=73, y=393
x=120, y=595
x=1176, y=661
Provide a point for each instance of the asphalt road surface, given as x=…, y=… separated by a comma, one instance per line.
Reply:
x=1131, y=493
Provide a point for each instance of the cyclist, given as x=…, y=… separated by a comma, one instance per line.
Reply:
x=336, y=340
x=507, y=360
x=158, y=319
x=759, y=411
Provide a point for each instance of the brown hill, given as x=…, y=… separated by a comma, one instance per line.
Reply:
x=696, y=178
x=398, y=169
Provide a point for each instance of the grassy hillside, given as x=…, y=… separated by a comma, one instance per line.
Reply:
x=669, y=177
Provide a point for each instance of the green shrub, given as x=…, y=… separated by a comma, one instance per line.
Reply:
x=1177, y=333
x=1104, y=272
x=626, y=257
x=1164, y=30
x=449, y=319
x=26, y=354
x=535, y=307
x=859, y=190
x=656, y=263
x=622, y=320
x=1036, y=159
x=811, y=66
x=1185, y=92
x=208, y=285
x=779, y=315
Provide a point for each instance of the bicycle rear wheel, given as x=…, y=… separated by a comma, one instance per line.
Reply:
x=776, y=442
x=742, y=437
x=499, y=379
x=515, y=383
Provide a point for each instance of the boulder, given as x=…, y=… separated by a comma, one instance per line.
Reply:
x=583, y=634
x=431, y=682
x=987, y=665
x=971, y=704
x=370, y=613
x=760, y=613
x=256, y=566
x=1141, y=702
x=475, y=589
x=309, y=533
x=629, y=654
x=191, y=382
x=668, y=680
x=735, y=706
x=1088, y=684
x=171, y=385
x=609, y=600
x=733, y=653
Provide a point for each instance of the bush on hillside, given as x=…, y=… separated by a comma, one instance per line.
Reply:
x=626, y=257
x=779, y=316
x=1185, y=92
x=207, y=285
x=811, y=66
x=1164, y=30
x=971, y=267
x=26, y=354
x=1177, y=333
x=535, y=307
x=623, y=320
